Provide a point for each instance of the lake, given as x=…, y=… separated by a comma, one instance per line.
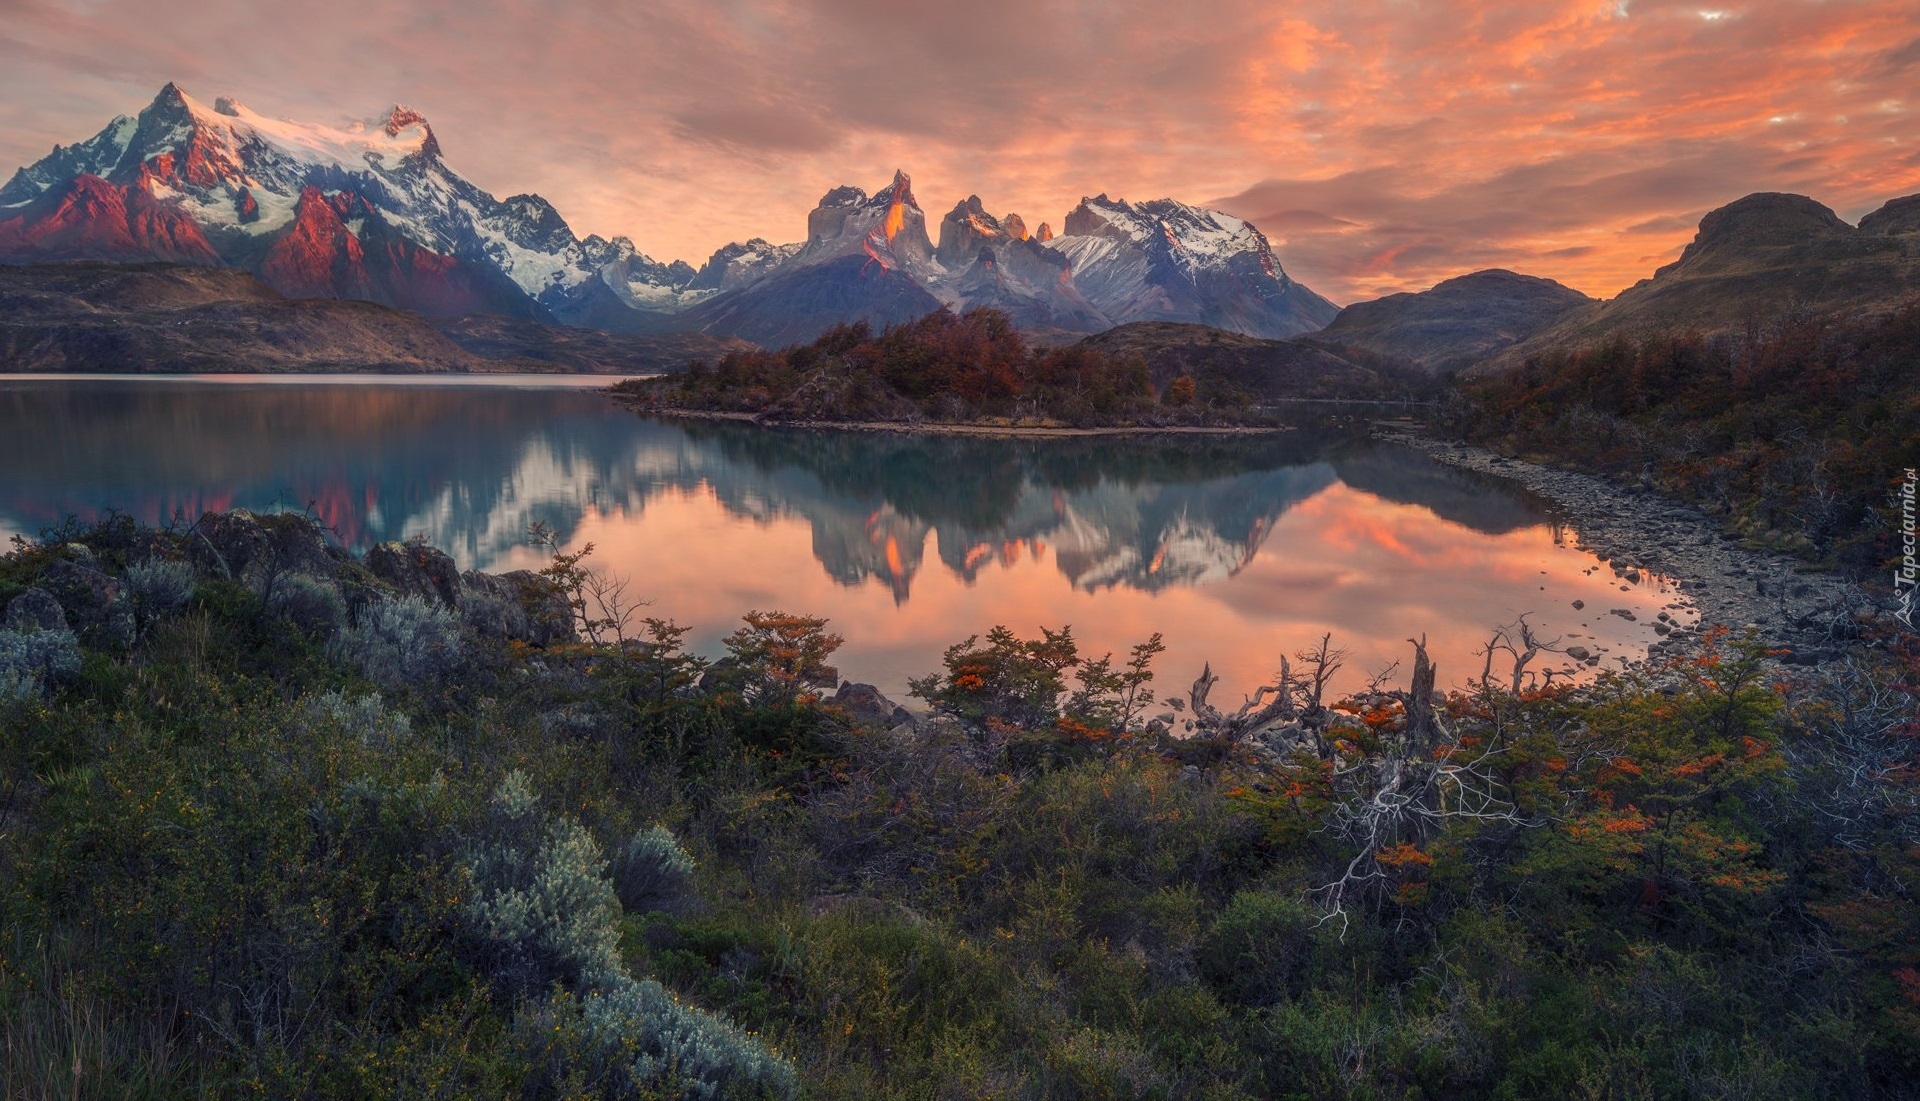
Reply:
x=1237, y=549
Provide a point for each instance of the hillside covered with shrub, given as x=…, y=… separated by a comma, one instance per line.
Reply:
x=277, y=821
x=1795, y=433
x=977, y=367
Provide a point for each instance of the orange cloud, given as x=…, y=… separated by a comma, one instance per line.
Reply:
x=1578, y=139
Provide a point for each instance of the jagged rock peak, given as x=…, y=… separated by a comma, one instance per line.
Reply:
x=1015, y=226
x=901, y=190
x=967, y=229
x=1083, y=221
x=971, y=210
x=401, y=117
x=1044, y=233
x=846, y=195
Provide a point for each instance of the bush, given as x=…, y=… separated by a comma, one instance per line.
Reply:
x=1257, y=951
x=367, y=717
x=635, y=1040
x=401, y=643
x=541, y=910
x=653, y=872
x=310, y=604
x=160, y=589
x=33, y=662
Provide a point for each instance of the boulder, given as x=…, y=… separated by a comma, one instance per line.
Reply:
x=416, y=569
x=35, y=610
x=521, y=605
x=866, y=704
x=232, y=544
x=97, y=605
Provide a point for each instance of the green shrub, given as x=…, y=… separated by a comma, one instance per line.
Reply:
x=653, y=872
x=311, y=604
x=160, y=589
x=33, y=662
x=541, y=909
x=408, y=642
x=1256, y=953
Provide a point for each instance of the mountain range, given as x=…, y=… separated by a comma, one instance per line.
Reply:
x=371, y=211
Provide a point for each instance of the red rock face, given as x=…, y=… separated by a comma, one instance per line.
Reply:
x=201, y=163
x=91, y=219
x=316, y=257
x=429, y=283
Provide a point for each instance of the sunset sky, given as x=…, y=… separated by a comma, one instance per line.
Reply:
x=1382, y=146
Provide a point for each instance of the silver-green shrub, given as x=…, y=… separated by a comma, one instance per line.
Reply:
x=313, y=605
x=652, y=872
x=646, y=1033
x=634, y=1039
x=32, y=662
x=403, y=642
x=159, y=588
x=367, y=717
x=542, y=912
x=541, y=909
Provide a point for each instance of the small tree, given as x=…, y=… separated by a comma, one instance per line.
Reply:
x=599, y=601
x=1179, y=391
x=1011, y=681
x=782, y=655
x=1112, y=700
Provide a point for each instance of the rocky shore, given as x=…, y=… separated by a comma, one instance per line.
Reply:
x=1002, y=428
x=1792, y=605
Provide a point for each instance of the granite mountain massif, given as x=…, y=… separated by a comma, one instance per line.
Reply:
x=371, y=211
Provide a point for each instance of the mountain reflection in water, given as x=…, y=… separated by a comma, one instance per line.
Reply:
x=471, y=469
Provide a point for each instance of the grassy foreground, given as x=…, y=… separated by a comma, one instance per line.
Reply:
x=278, y=822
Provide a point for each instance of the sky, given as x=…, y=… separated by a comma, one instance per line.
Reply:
x=1382, y=146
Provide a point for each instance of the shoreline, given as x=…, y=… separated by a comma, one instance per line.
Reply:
x=1790, y=603
x=949, y=428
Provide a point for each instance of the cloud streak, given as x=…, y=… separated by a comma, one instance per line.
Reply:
x=1384, y=145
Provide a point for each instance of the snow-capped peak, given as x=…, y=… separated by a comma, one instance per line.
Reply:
x=355, y=146
x=1195, y=236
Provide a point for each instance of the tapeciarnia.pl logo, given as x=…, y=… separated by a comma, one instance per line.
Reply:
x=1906, y=576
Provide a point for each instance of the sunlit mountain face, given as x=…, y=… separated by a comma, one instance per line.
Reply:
x=371, y=210
x=1238, y=549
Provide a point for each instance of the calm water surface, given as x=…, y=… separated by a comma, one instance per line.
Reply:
x=1237, y=550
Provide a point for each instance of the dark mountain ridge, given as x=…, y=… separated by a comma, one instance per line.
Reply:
x=1457, y=322
x=1753, y=261
x=91, y=316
